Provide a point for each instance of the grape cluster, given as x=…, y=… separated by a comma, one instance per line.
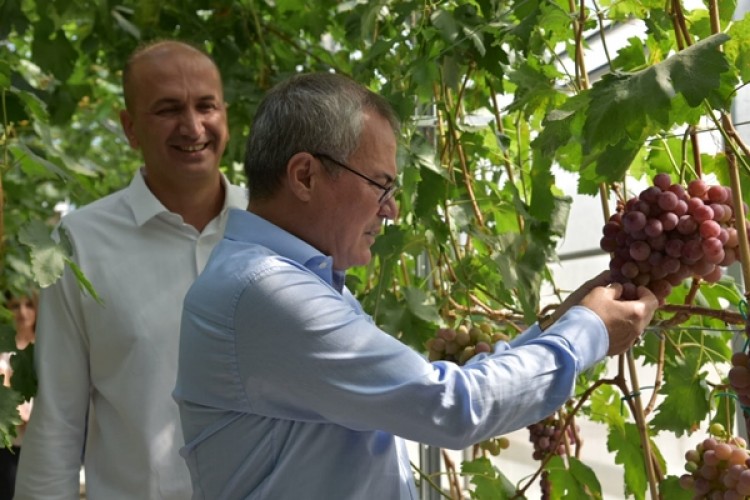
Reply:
x=739, y=380
x=463, y=343
x=669, y=233
x=545, y=433
x=739, y=377
x=495, y=445
x=718, y=469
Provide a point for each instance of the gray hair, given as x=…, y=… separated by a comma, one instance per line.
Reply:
x=312, y=112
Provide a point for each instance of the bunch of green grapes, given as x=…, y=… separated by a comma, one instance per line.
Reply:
x=495, y=445
x=458, y=346
x=718, y=467
x=463, y=343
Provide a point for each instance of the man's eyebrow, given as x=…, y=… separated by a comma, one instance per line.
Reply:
x=175, y=100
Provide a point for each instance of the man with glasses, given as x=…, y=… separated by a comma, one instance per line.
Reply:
x=286, y=388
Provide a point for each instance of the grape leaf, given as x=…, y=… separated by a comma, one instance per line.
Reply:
x=489, y=482
x=606, y=406
x=636, y=105
x=738, y=48
x=421, y=305
x=47, y=258
x=685, y=402
x=578, y=481
x=9, y=417
x=625, y=442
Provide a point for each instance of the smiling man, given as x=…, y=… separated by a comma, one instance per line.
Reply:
x=287, y=389
x=114, y=363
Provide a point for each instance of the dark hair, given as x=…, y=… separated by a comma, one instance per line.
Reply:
x=313, y=112
x=155, y=46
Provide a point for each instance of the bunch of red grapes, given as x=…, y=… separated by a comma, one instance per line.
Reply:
x=668, y=234
x=718, y=469
x=739, y=380
x=546, y=438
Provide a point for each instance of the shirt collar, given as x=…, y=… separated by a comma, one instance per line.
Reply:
x=251, y=228
x=146, y=206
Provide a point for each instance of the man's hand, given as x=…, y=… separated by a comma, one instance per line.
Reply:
x=625, y=319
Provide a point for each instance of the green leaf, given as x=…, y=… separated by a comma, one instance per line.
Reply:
x=421, y=305
x=24, y=376
x=625, y=442
x=9, y=417
x=55, y=54
x=579, y=481
x=633, y=106
x=489, y=482
x=47, y=257
x=696, y=71
x=670, y=488
x=685, y=394
x=737, y=48
x=607, y=407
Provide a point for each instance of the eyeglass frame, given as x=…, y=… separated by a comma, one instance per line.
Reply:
x=388, y=191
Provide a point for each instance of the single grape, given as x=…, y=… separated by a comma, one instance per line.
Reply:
x=650, y=194
x=687, y=225
x=634, y=221
x=611, y=229
x=668, y=220
x=679, y=191
x=609, y=245
x=662, y=181
x=640, y=250
x=703, y=213
x=629, y=269
x=717, y=194
x=661, y=288
x=697, y=187
x=709, y=229
x=667, y=201
x=653, y=228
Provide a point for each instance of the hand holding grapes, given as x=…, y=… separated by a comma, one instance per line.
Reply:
x=602, y=279
x=625, y=320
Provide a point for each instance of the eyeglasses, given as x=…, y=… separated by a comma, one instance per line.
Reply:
x=388, y=191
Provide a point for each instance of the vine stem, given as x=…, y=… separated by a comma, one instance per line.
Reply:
x=4, y=166
x=640, y=422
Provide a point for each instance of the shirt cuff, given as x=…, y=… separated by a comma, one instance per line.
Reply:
x=584, y=330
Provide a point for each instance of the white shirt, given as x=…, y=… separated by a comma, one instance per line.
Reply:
x=121, y=354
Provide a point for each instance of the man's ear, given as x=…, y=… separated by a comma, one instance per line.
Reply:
x=127, y=126
x=301, y=171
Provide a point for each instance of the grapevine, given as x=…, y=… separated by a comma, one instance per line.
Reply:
x=669, y=233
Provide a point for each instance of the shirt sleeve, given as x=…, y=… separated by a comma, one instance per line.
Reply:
x=49, y=467
x=304, y=353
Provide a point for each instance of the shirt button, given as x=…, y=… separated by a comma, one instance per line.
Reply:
x=323, y=265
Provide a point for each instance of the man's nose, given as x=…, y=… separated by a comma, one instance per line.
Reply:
x=389, y=209
x=191, y=123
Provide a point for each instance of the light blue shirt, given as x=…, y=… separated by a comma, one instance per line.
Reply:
x=288, y=390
